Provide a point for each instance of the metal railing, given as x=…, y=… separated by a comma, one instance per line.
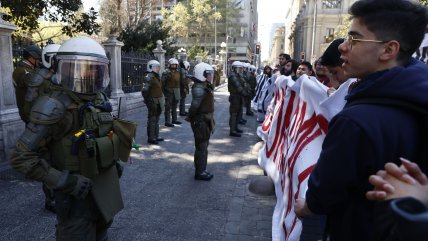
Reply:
x=133, y=70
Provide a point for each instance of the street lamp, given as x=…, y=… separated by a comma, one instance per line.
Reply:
x=223, y=45
x=182, y=53
x=215, y=30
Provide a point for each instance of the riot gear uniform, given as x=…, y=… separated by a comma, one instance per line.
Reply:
x=237, y=91
x=73, y=144
x=155, y=102
x=31, y=82
x=201, y=117
x=171, y=89
x=184, y=86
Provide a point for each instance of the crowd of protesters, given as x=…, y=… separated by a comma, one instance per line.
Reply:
x=363, y=173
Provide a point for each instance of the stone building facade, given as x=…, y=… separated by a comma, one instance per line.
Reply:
x=310, y=26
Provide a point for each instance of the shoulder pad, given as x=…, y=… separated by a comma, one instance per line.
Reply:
x=47, y=110
x=38, y=78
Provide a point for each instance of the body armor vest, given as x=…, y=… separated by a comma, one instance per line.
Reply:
x=154, y=86
x=174, y=80
x=207, y=105
x=234, y=80
x=92, y=145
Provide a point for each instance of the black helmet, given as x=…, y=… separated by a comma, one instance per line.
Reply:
x=33, y=51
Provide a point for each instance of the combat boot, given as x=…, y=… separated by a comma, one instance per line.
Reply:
x=235, y=134
x=176, y=122
x=153, y=142
x=169, y=125
x=204, y=176
x=239, y=130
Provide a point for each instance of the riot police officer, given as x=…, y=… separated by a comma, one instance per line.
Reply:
x=201, y=117
x=23, y=75
x=171, y=89
x=237, y=91
x=30, y=81
x=154, y=100
x=73, y=144
x=184, y=86
x=252, y=83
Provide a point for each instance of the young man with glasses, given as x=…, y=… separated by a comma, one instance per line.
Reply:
x=366, y=135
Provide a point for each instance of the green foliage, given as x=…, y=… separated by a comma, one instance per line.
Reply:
x=342, y=29
x=424, y=2
x=26, y=13
x=143, y=37
x=196, y=50
x=195, y=18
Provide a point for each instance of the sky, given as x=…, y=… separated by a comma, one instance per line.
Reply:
x=269, y=11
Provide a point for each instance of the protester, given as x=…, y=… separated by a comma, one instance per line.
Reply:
x=321, y=73
x=304, y=68
x=290, y=69
x=261, y=100
x=331, y=59
x=365, y=135
x=407, y=189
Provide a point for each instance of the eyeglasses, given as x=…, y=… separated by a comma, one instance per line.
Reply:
x=351, y=39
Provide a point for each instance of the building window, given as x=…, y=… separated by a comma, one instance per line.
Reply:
x=332, y=4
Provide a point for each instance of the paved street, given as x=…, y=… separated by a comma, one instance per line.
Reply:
x=162, y=200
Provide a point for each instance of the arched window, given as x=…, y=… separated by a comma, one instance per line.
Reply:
x=332, y=4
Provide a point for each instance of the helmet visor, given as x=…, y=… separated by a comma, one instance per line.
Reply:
x=85, y=75
x=209, y=75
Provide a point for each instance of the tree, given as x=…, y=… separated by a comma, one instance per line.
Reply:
x=26, y=13
x=424, y=2
x=143, y=37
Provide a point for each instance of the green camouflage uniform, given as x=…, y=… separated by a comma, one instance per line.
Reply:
x=237, y=91
x=30, y=83
x=73, y=144
x=252, y=83
x=202, y=121
x=155, y=102
x=184, y=90
x=171, y=89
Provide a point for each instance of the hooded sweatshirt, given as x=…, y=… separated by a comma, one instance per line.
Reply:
x=360, y=140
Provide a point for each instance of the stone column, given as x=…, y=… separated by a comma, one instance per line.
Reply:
x=11, y=126
x=159, y=53
x=113, y=48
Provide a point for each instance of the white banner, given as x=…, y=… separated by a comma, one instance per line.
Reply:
x=293, y=132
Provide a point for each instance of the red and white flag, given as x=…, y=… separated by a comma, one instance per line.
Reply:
x=293, y=132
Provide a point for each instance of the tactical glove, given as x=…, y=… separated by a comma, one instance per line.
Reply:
x=74, y=184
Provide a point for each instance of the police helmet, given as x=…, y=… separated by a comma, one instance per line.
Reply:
x=203, y=72
x=32, y=51
x=48, y=54
x=151, y=64
x=82, y=65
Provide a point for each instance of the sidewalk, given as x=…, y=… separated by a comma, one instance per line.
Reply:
x=162, y=200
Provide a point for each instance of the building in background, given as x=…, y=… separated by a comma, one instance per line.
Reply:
x=310, y=26
x=277, y=46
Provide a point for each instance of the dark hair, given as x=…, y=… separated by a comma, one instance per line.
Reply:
x=331, y=56
x=285, y=56
x=294, y=65
x=307, y=64
x=400, y=20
